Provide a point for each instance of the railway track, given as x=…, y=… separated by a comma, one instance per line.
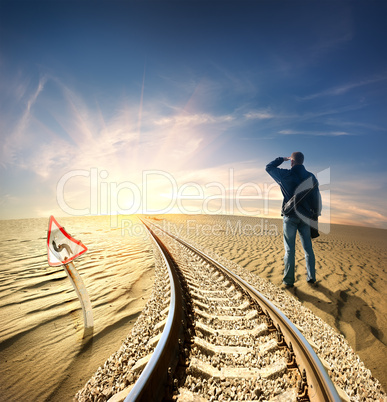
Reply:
x=220, y=339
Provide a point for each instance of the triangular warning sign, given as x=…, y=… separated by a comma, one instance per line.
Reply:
x=61, y=247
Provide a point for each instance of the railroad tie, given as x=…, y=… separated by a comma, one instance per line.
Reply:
x=165, y=311
x=230, y=289
x=160, y=325
x=210, y=348
x=258, y=330
x=197, y=366
x=249, y=316
x=244, y=306
x=290, y=395
x=141, y=363
x=199, y=291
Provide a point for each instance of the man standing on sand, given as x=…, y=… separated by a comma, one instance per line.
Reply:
x=306, y=209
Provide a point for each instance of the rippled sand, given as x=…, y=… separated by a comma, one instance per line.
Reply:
x=351, y=266
x=42, y=353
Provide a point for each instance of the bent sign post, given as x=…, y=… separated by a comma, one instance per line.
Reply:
x=62, y=249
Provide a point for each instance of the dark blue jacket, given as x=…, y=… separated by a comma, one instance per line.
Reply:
x=289, y=180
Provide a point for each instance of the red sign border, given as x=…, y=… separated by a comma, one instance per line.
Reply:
x=60, y=227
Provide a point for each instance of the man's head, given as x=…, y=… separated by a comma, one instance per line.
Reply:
x=297, y=158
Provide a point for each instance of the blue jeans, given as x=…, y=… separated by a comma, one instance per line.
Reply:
x=291, y=225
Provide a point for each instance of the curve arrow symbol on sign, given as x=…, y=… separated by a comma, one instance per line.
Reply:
x=61, y=247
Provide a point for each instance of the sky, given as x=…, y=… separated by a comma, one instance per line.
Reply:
x=112, y=107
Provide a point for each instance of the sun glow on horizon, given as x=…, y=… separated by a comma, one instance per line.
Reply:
x=135, y=121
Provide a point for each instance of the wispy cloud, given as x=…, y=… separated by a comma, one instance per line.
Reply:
x=342, y=89
x=355, y=124
x=77, y=135
x=259, y=114
x=240, y=188
x=195, y=119
x=73, y=133
x=345, y=210
x=13, y=130
x=358, y=200
x=314, y=133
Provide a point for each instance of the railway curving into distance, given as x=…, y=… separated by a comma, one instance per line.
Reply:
x=218, y=338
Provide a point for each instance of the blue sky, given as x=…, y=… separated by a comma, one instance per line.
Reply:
x=139, y=106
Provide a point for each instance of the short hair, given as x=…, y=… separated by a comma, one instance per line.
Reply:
x=298, y=158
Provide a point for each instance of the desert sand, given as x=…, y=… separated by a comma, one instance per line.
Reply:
x=42, y=354
x=351, y=270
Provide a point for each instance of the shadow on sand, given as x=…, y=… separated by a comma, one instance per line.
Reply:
x=346, y=308
x=86, y=359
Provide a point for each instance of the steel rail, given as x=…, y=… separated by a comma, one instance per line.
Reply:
x=152, y=382
x=320, y=386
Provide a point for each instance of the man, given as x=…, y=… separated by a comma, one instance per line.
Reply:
x=302, y=185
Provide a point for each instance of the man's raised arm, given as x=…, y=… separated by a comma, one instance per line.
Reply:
x=273, y=170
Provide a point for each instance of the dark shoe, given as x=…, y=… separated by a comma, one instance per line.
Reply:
x=312, y=283
x=287, y=286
